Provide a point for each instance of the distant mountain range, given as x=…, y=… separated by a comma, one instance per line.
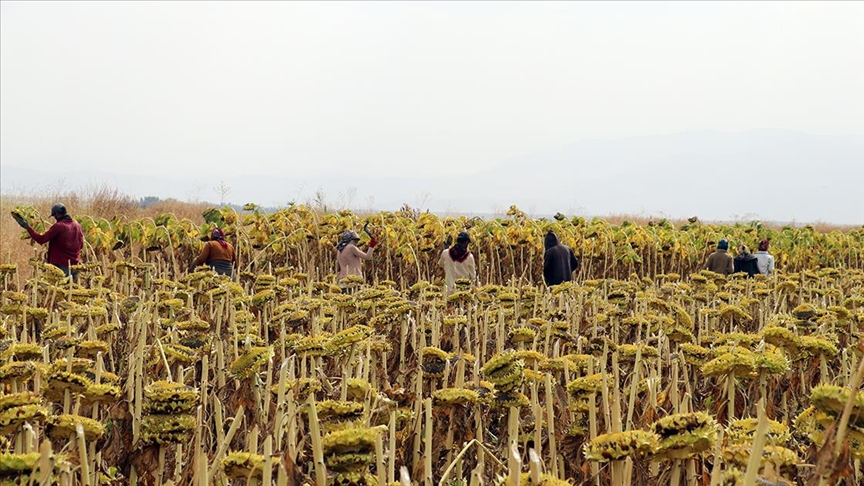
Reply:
x=772, y=175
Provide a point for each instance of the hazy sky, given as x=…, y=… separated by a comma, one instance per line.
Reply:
x=408, y=88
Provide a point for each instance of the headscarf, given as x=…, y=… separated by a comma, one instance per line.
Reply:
x=763, y=245
x=219, y=236
x=459, y=252
x=347, y=237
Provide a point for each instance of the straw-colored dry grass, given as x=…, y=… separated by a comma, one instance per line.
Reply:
x=98, y=201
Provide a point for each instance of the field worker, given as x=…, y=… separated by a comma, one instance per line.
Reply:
x=217, y=253
x=349, y=260
x=559, y=262
x=720, y=261
x=764, y=260
x=65, y=239
x=746, y=262
x=458, y=262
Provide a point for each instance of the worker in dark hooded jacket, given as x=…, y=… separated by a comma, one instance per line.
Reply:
x=746, y=262
x=559, y=262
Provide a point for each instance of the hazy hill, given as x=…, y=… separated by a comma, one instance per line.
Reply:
x=761, y=174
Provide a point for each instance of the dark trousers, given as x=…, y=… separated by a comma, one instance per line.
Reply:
x=67, y=272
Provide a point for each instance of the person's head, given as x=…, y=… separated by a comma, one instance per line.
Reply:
x=463, y=238
x=763, y=245
x=347, y=237
x=723, y=244
x=217, y=234
x=58, y=211
x=743, y=250
x=550, y=240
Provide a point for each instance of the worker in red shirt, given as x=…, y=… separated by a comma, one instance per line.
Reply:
x=65, y=239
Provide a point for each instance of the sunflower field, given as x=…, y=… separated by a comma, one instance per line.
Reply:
x=644, y=370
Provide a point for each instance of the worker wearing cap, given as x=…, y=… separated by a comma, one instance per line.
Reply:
x=65, y=239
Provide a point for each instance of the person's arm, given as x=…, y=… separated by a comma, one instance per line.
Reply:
x=547, y=265
x=441, y=258
x=360, y=254
x=472, y=268
x=707, y=262
x=730, y=266
x=574, y=262
x=203, y=256
x=770, y=264
x=43, y=238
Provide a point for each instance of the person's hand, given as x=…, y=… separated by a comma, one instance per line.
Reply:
x=448, y=241
x=373, y=242
x=21, y=221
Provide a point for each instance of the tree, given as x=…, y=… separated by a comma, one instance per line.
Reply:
x=223, y=190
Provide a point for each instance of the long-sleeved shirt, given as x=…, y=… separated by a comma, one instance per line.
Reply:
x=454, y=270
x=65, y=240
x=765, y=262
x=720, y=262
x=214, y=251
x=350, y=261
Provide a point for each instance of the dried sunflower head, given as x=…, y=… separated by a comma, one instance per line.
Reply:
x=618, y=445
x=521, y=334
x=694, y=354
x=166, y=429
x=586, y=385
x=433, y=361
x=818, y=346
x=739, y=455
x=530, y=357
x=503, y=368
x=58, y=381
x=683, y=435
x=350, y=441
x=102, y=393
x=15, y=416
x=23, y=352
x=310, y=346
x=447, y=397
x=242, y=465
x=337, y=414
x=62, y=426
x=628, y=352
x=250, y=361
x=740, y=361
x=804, y=311
x=345, y=338
x=19, y=399
x=832, y=399
x=741, y=431
x=17, y=464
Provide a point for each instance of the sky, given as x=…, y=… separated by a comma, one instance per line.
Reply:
x=407, y=89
